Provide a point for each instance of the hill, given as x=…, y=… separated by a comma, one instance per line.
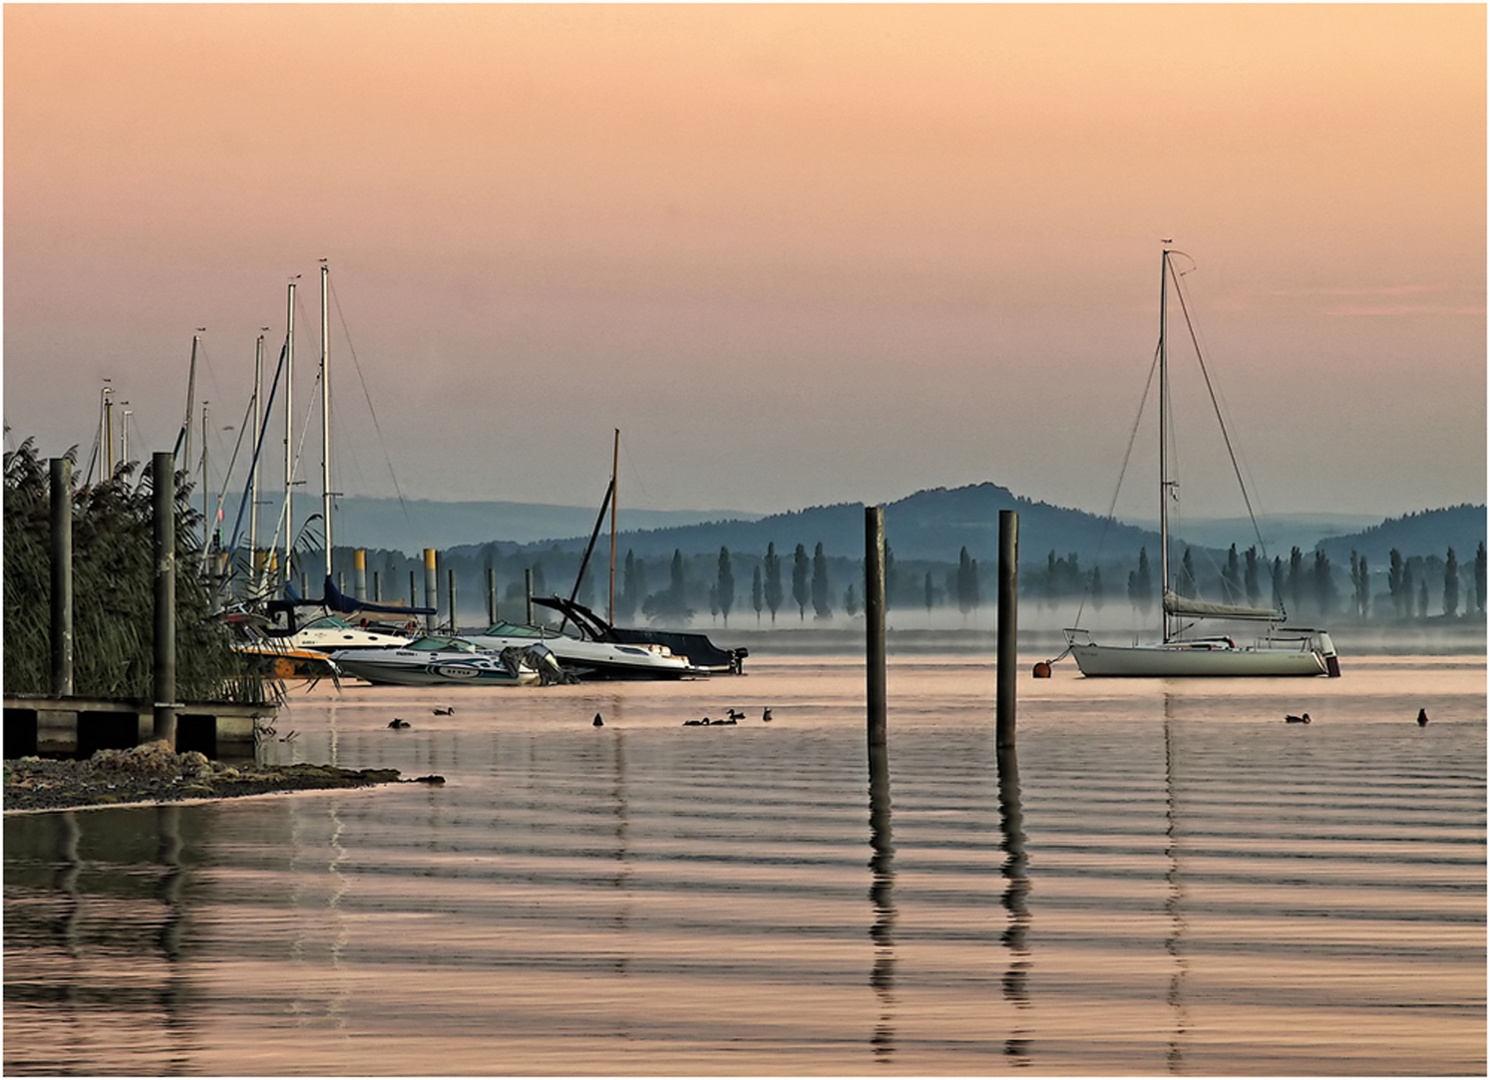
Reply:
x=1427, y=532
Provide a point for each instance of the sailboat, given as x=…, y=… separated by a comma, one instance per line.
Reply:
x=1278, y=652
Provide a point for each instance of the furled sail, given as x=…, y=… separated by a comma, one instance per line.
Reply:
x=1174, y=604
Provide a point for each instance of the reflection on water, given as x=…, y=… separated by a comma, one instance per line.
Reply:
x=882, y=897
x=1163, y=881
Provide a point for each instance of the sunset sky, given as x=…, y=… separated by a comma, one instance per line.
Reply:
x=797, y=254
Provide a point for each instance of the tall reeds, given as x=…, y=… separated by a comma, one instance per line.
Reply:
x=113, y=590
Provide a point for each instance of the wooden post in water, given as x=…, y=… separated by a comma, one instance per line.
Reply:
x=163, y=470
x=359, y=574
x=377, y=588
x=61, y=476
x=450, y=588
x=1008, y=629
x=431, y=590
x=491, y=595
x=528, y=590
x=874, y=629
x=413, y=593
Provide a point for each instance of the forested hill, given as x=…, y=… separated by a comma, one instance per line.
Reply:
x=933, y=524
x=1428, y=532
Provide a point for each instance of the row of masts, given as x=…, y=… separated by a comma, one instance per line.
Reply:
x=107, y=437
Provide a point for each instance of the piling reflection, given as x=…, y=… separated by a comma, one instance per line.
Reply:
x=1015, y=899
x=882, y=899
x=65, y=883
x=1173, y=906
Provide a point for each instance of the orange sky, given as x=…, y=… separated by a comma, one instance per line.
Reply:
x=798, y=254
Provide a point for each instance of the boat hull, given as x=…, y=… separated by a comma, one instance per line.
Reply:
x=446, y=673
x=1185, y=660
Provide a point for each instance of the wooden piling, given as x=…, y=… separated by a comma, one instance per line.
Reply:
x=431, y=589
x=528, y=591
x=491, y=595
x=163, y=470
x=450, y=589
x=62, y=638
x=1008, y=628
x=874, y=626
x=359, y=574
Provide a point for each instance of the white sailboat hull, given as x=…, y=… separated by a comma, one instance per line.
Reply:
x=1196, y=659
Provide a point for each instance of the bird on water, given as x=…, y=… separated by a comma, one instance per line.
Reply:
x=598, y=722
x=766, y=714
x=396, y=722
x=735, y=714
x=449, y=710
x=1422, y=718
x=1292, y=719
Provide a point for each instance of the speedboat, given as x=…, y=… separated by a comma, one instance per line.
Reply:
x=442, y=661
x=590, y=659
x=332, y=633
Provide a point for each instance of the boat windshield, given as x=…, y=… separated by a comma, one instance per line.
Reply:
x=327, y=622
x=441, y=644
x=507, y=629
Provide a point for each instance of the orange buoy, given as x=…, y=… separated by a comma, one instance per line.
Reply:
x=1042, y=670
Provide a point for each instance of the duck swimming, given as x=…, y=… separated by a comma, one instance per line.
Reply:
x=1292, y=719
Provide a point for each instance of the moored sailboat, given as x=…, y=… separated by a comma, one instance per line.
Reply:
x=1277, y=652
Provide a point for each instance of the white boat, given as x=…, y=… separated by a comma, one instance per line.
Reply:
x=590, y=659
x=430, y=661
x=1277, y=652
x=332, y=633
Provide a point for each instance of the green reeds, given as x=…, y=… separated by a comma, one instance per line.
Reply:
x=113, y=591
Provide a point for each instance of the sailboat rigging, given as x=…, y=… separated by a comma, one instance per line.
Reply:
x=1279, y=652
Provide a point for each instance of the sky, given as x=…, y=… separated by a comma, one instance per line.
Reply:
x=798, y=255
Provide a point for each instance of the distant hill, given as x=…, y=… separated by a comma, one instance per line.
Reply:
x=934, y=524
x=1427, y=532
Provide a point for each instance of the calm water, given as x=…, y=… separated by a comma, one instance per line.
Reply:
x=1178, y=882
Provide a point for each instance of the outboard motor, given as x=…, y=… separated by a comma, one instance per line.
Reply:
x=1331, y=658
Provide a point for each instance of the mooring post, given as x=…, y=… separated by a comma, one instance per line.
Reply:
x=491, y=595
x=450, y=588
x=874, y=629
x=528, y=590
x=61, y=474
x=163, y=475
x=359, y=574
x=431, y=590
x=1008, y=628
x=413, y=593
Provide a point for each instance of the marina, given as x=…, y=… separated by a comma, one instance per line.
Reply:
x=1180, y=882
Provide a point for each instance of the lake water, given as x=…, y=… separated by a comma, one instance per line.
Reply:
x=1178, y=882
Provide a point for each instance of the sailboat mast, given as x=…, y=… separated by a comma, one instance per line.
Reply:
x=1163, y=444
x=206, y=510
x=615, y=467
x=253, y=476
x=326, y=415
x=289, y=431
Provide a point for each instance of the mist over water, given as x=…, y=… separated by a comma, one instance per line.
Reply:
x=1176, y=881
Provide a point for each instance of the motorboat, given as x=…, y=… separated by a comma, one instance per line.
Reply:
x=590, y=659
x=696, y=648
x=439, y=661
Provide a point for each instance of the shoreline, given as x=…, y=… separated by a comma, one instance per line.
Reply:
x=153, y=774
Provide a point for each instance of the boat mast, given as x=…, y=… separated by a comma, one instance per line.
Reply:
x=615, y=467
x=1163, y=454
x=325, y=416
x=106, y=434
x=289, y=430
x=253, y=476
x=206, y=511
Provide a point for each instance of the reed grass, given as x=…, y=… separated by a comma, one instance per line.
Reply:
x=113, y=590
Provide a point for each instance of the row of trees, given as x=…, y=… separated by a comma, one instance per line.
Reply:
x=777, y=583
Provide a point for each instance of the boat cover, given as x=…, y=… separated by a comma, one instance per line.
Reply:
x=1174, y=604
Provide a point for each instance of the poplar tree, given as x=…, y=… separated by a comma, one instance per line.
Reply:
x=930, y=596
x=1451, y=585
x=1096, y=588
x=725, y=584
x=821, y=606
x=1395, y=577
x=757, y=593
x=773, y=580
x=799, y=581
x=1231, y=577
x=1479, y=578
x=1251, y=578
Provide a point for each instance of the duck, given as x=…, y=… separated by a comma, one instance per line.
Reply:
x=448, y=710
x=598, y=722
x=695, y=723
x=766, y=714
x=397, y=722
x=1422, y=718
x=736, y=715
x=1292, y=719
x=731, y=720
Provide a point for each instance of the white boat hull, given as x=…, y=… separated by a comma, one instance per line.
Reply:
x=1190, y=660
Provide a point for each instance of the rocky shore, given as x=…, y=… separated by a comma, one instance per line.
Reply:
x=153, y=773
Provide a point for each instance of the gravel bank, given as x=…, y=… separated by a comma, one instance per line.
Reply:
x=152, y=773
